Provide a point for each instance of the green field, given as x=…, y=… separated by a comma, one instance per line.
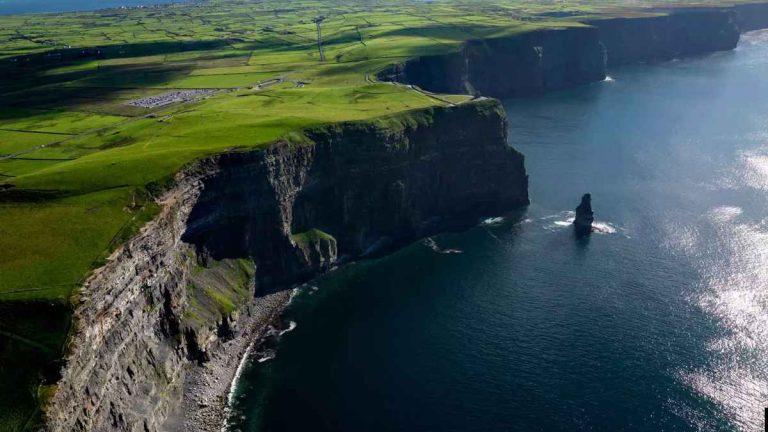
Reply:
x=79, y=165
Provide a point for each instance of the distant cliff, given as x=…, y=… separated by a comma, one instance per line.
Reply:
x=681, y=33
x=521, y=65
x=545, y=60
x=239, y=227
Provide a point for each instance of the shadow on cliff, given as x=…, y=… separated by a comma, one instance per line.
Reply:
x=37, y=80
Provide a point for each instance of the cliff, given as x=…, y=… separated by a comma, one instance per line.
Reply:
x=752, y=16
x=239, y=227
x=681, y=33
x=526, y=64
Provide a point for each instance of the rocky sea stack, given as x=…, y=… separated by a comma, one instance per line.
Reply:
x=584, y=217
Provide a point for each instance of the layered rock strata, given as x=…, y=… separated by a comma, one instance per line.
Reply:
x=240, y=227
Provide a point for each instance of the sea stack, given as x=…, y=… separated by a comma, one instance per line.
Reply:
x=584, y=217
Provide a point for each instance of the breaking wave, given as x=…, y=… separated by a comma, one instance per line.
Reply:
x=294, y=293
x=291, y=326
x=267, y=356
x=565, y=219
x=432, y=244
x=493, y=221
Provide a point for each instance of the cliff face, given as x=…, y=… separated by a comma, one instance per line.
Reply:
x=681, y=33
x=239, y=226
x=127, y=356
x=367, y=187
x=526, y=64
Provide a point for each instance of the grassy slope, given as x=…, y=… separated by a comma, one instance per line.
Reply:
x=66, y=130
x=79, y=160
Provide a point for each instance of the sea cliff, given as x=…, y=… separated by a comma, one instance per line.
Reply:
x=522, y=65
x=208, y=274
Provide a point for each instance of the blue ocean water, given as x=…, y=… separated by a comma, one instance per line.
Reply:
x=658, y=322
x=11, y=7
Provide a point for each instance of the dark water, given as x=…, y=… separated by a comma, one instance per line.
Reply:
x=658, y=322
x=10, y=7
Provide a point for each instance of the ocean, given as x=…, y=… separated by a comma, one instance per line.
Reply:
x=12, y=7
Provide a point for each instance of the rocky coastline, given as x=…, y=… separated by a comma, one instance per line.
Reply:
x=553, y=59
x=204, y=405
x=523, y=65
x=160, y=324
x=158, y=344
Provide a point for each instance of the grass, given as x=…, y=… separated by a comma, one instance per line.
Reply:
x=312, y=237
x=40, y=263
x=77, y=164
x=216, y=290
x=13, y=142
x=54, y=122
